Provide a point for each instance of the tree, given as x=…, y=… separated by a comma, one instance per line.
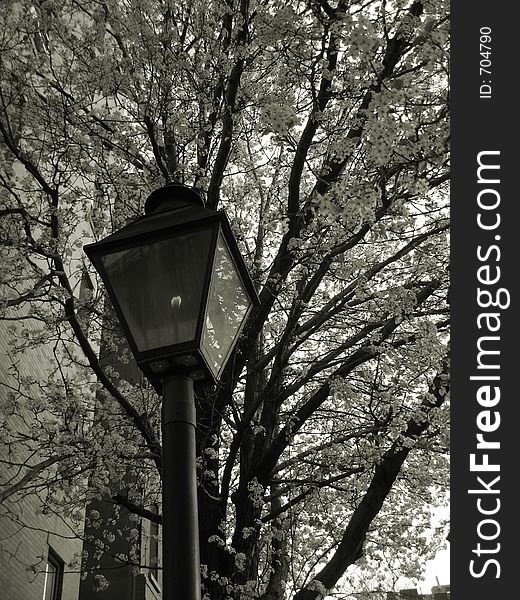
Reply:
x=322, y=128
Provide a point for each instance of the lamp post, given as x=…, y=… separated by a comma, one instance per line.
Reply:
x=182, y=293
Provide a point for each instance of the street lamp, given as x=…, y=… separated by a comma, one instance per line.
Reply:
x=182, y=293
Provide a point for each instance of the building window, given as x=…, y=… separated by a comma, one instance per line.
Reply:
x=53, y=577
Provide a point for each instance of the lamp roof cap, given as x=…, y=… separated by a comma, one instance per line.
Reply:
x=171, y=196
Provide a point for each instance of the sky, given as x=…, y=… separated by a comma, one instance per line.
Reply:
x=438, y=567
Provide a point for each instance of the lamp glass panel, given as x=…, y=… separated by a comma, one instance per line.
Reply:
x=228, y=304
x=159, y=287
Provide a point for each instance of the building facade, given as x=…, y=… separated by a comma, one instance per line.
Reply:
x=36, y=547
x=40, y=555
x=439, y=592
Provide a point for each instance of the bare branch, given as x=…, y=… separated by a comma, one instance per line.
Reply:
x=32, y=474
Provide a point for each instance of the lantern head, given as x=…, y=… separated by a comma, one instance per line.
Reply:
x=178, y=284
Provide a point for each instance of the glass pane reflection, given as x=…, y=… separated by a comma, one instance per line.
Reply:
x=227, y=307
x=160, y=286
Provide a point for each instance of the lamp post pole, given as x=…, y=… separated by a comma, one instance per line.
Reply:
x=180, y=529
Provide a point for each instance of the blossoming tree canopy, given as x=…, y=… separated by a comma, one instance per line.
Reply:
x=321, y=127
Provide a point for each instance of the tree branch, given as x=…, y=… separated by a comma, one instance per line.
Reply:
x=34, y=471
x=386, y=472
x=156, y=151
x=230, y=98
x=314, y=485
x=360, y=356
x=122, y=500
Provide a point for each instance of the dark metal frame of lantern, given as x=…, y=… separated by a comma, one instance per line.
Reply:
x=173, y=213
